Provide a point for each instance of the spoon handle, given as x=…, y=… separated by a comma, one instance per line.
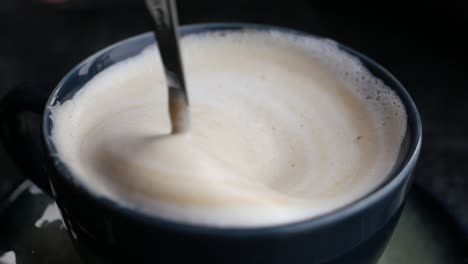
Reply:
x=164, y=15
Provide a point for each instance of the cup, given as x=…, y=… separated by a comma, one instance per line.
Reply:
x=105, y=232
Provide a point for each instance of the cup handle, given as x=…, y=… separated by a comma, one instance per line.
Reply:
x=20, y=130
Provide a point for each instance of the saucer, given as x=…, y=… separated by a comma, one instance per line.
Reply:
x=32, y=232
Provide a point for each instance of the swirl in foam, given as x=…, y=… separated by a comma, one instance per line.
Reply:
x=285, y=128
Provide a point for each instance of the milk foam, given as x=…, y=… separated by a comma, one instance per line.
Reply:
x=284, y=128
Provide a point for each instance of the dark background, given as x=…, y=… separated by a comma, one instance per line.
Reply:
x=423, y=44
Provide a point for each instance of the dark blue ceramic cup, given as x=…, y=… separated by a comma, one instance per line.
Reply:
x=104, y=232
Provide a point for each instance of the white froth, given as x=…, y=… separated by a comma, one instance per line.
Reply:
x=284, y=128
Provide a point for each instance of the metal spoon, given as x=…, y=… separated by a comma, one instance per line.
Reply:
x=164, y=14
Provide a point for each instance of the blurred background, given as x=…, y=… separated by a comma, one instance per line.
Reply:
x=423, y=44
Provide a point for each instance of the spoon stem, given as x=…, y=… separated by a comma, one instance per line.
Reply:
x=164, y=13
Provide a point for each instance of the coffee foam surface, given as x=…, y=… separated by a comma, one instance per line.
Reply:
x=284, y=128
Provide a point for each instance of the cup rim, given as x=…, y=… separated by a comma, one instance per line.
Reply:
x=398, y=175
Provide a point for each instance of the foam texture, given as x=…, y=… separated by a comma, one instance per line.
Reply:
x=284, y=128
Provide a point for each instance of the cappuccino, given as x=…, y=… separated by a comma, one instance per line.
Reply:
x=284, y=128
